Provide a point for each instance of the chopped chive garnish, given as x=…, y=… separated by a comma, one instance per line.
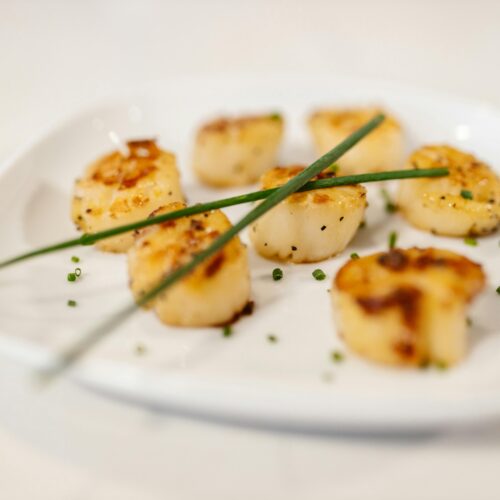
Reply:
x=390, y=206
x=140, y=349
x=78, y=272
x=227, y=331
x=75, y=259
x=441, y=365
x=275, y=116
x=71, y=303
x=393, y=238
x=469, y=320
x=470, y=241
x=354, y=256
x=277, y=274
x=465, y=193
x=498, y=290
x=319, y=275
x=272, y=338
x=362, y=224
x=71, y=277
x=337, y=356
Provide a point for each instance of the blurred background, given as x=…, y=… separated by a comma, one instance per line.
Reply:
x=57, y=55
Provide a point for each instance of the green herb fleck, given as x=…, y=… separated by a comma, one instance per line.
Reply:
x=469, y=320
x=71, y=277
x=354, y=256
x=393, y=238
x=319, y=275
x=470, y=241
x=465, y=193
x=337, y=356
x=272, y=338
x=441, y=365
x=227, y=331
x=275, y=116
x=75, y=259
x=390, y=206
x=498, y=290
x=362, y=224
x=334, y=167
x=277, y=274
x=140, y=349
x=72, y=303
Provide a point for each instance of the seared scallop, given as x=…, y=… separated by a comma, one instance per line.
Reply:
x=122, y=188
x=236, y=151
x=407, y=307
x=215, y=293
x=464, y=203
x=308, y=226
x=382, y=149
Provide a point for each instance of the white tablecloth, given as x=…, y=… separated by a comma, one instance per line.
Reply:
x=69, y=443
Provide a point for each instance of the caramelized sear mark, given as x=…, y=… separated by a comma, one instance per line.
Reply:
x=405, y=349
x=143, y=148
x=126, y=171
x=215, y=264
x=405, y=298
x=247, y=310
x=394, y=260
x=320, y=198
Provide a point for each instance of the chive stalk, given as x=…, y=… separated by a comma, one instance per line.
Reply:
x=347, y=180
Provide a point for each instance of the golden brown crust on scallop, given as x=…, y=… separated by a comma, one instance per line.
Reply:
x=118, y=189
x=464, y=203
x=278, y=176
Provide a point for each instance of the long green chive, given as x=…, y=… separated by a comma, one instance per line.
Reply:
x=346, y=180
x=277, y=274
x=393, y=238
x=71, y=303
x=465, y=193
x=227, y=331
x=319, y=275
x=470, y=241
x=294, y=184
x=390, y=207
x=336, y=356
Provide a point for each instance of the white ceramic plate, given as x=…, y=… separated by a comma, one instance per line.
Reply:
x=292, y=382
